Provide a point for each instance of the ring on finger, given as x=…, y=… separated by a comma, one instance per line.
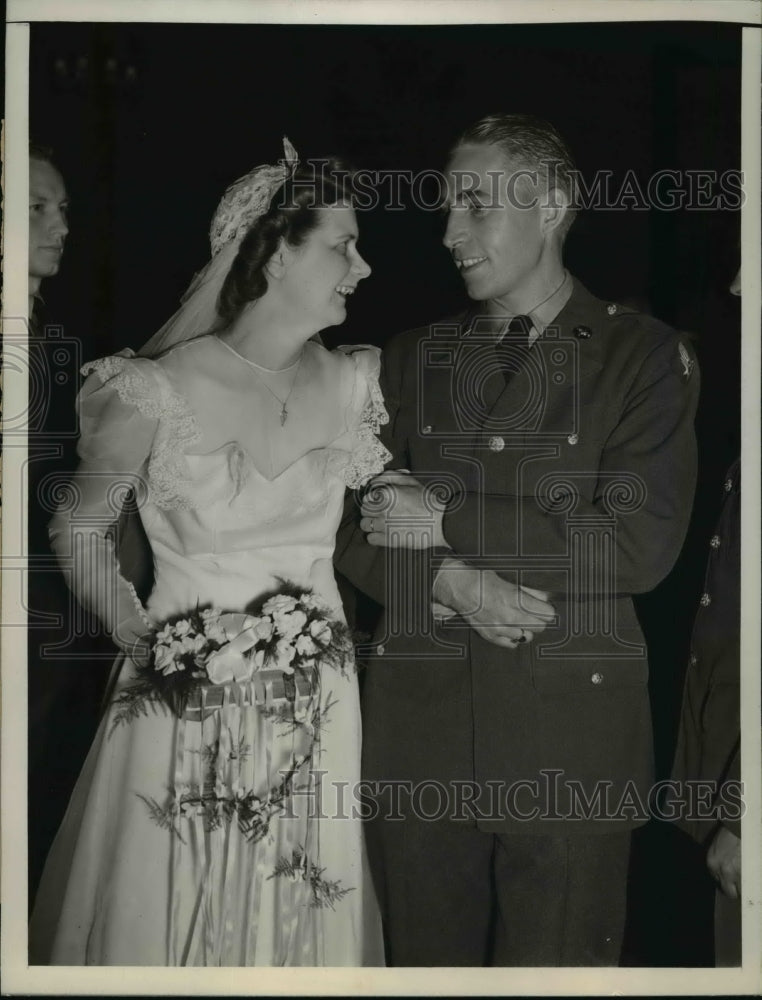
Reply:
x=522, y=637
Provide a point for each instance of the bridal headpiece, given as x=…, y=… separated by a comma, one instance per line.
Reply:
x=249, y=197
x=244, y=201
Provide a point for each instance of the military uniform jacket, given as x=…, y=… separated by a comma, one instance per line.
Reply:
x=709, y=740
x=577, y=478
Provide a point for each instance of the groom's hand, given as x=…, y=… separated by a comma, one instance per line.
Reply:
x=400, y=512
x=499, y=611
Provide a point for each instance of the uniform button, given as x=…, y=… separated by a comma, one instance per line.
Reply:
x=693, y=659
x=597, y=678
x=728, y=485
x=427, y=429
x=573, y=438
x=496, y=443
x=715, y=542
x=611, y=310
x=705, y=601
x=380, y=649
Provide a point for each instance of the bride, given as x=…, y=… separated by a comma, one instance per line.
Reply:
x=224, y=833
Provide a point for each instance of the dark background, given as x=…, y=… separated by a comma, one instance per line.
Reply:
x=149, y=124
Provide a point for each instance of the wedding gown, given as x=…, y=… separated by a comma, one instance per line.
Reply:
x=230, y=836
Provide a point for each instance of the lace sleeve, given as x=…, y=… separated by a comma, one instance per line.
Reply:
x=143, y=386
x=118, y=424
x=367, y=414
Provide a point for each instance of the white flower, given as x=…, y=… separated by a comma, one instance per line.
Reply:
x=285, y=652
x=305, y=646
x=264, y=629
x=193, y=643
x=164, y=660
x=279, y=603
x=183, y=627
x=209, y=613
x=215, y=632
x=321, y=631
x=291, y=623
x=166, y=634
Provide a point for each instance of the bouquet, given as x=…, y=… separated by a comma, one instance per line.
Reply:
x=292, y=634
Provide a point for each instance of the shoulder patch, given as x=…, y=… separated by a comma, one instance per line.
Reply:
x=687, y=363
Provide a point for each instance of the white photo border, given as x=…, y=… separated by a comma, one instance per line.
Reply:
x=20, y=978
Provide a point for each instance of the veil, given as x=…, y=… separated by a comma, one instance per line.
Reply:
x=243, y=202
x=198, y=306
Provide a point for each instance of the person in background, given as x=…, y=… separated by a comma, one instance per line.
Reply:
x=709, y=738
x=48, y=223
x=61, y=698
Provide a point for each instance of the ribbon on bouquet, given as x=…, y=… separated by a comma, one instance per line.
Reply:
x=230, y=663
x=228, y=745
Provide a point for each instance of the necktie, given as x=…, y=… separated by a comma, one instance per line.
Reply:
x=512, y=348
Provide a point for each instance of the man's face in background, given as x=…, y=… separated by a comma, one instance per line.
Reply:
x=48, y=228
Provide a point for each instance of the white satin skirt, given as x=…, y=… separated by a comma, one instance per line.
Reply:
x=229, y=837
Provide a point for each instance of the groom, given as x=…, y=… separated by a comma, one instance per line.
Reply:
x=507, y=735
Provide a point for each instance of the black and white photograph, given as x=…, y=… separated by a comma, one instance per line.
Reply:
x=380, y=601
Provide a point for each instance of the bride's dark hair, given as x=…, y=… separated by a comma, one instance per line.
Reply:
x=293, y=213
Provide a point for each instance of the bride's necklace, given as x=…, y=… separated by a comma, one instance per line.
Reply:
x=272, y=371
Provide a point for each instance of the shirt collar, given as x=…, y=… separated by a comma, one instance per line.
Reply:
x=544, y=314
x=541, y=316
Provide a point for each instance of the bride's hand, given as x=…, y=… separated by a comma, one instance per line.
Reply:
x=398, y=511
x=133, y=637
